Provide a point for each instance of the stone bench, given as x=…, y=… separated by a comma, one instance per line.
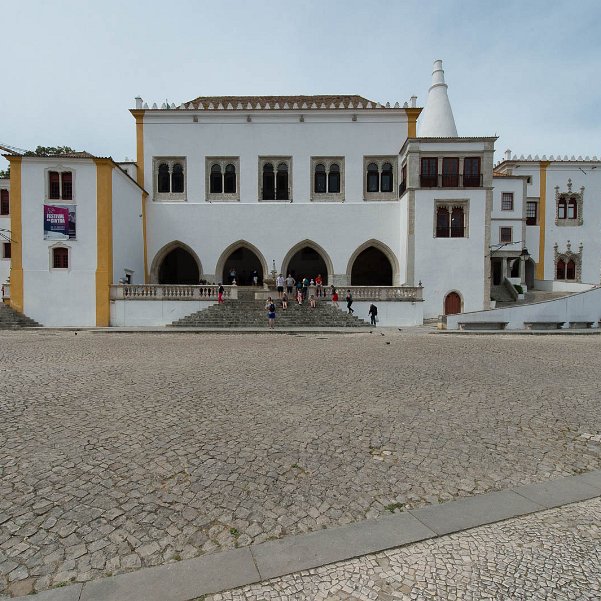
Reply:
x=482, y=325
x=581, y=325
x=543, y=325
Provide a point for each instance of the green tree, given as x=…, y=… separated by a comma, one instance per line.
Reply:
x=5, y=174
x=42, y=151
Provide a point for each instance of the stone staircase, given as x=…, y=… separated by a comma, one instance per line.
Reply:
x=246, y=312
x=501, y=294
x=12, y=320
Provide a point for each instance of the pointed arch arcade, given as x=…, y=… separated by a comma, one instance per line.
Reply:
x=243, y=245
x=323, y=257
x=175, y=263
x=392, y=278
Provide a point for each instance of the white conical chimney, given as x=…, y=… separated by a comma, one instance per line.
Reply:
x=437, y=120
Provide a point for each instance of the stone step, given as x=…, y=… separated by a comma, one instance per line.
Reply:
x=11, y=319
x=248, y=312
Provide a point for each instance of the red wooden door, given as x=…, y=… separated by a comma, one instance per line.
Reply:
x=452, y=304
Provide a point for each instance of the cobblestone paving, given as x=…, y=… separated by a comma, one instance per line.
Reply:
x=551, y=555
x=125, y=450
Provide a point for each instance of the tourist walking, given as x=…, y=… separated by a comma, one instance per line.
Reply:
x=305, y=287
x=299, y=294
x=220, y=292
x=255, y=276
x=232, y=275
x=334, y=297
x=373, y=312
x=284, y=301
x=319, y=285
x=270, y=306
x=312, y=302
x=290, y=281
x=349, y=302
x=279, y=282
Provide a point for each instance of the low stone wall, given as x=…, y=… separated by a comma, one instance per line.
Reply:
x=580, y=307
x=153, y=312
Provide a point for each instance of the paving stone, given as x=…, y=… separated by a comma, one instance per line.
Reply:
x=552, y=554
x=136, y=453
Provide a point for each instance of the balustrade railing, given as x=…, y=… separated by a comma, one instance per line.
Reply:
x=171, y=292
x=210, y=292
x=376, y=293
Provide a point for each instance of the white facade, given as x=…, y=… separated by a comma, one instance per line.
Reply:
x=5, y=239
x=562, y=232
x=336, y=185
x=73, y=289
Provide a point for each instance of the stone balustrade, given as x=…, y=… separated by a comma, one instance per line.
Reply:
x=170, y=292
x=209, y=292
x=376, y=293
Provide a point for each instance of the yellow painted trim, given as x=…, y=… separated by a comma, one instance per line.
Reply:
x=144, y=197
x=412, y=115
x=542, y=216
x=104, y=240
x=139, y=116
x=16, y=235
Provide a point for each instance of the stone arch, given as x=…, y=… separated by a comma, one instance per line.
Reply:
x=385, y=250
x=225, y=255
x=450, y=297
x=166, y=250
x=327, y=279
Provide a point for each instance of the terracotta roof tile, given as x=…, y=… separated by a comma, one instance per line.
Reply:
x=243, y=102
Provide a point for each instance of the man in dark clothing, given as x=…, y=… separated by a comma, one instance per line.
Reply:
x=373, y=311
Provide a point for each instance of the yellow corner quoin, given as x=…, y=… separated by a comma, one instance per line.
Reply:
x=16, y=235
x=412, y=115
x=540, y=266
x=104, y=240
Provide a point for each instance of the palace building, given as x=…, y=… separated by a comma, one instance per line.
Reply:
x=386, y=200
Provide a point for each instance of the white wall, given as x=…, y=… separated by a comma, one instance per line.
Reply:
x=390, y=313
x=4, y=225
x=128, y=241
x=152, y=313
x=584, y=306
x=59, y=297
x=515, y=219
x=273, y=227
x=589, y=233
x=450, y=264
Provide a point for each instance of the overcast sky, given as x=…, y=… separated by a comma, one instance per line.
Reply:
x=527, y=71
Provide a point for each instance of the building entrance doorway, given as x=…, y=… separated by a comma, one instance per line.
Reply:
x=307, y=263
x=240, y=265
x=452, y=304
x=179, y=267
x=371, y=268
x=497, y=271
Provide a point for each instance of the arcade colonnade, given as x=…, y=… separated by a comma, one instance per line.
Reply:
x=372, y=263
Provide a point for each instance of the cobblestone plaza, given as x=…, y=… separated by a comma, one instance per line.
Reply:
x=119, y=451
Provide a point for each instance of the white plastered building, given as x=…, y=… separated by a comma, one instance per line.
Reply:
x=336, y=185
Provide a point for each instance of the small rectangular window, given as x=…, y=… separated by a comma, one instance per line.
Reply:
x=4, y=202
x=6, y=250
x=507, y=201
x=506, y=235
x=60, y=258
x=531, y=213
